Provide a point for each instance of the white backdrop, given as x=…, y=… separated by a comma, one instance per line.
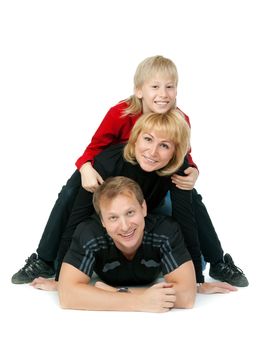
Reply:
x=63, y=64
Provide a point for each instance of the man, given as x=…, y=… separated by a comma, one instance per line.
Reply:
x=126, y=249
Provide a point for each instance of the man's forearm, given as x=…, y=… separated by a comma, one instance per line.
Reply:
x=87, y=297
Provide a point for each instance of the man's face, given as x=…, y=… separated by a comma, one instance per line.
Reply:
x=123, y=218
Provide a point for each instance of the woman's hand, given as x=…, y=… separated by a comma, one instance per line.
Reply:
x=90, y=178
x=215, y=287
x=44, y=284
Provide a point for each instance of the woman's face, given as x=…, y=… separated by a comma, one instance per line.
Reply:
x=153, y=151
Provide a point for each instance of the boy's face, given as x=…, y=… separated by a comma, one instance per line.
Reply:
x=153, y=151
x=158, y=94
x=123, y=218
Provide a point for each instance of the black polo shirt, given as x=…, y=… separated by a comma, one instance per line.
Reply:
x=162, y=250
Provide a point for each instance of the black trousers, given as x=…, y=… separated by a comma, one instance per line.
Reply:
x=58, y=231
x=209, y=242
x=56, y=225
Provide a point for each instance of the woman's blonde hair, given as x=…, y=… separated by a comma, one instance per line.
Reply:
x=148, y=68
x=174, y=128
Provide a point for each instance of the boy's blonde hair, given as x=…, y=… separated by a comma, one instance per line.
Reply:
x=112, y=187
x=174, y=128
x=148, y=68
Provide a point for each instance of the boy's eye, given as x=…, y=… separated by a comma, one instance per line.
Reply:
x=154, y=86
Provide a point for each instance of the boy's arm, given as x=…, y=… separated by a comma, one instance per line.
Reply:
x=189, y=155
x=76, y=293
x=188, y=180
x=113, y=129
x=184, y=283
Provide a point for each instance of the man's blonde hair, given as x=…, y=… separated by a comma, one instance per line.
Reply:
x=114, y=186
x=174, y=128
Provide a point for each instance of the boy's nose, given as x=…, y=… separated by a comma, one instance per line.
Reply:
x=163, y=92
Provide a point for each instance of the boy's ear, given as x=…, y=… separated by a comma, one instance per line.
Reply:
x=138, y=93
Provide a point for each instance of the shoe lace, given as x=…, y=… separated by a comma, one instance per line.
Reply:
x=29, y=261
x=32, y=266
x=229, y=265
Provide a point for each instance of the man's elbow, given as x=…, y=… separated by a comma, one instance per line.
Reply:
x=186, y=300
x=189, y=302
x=64, y=299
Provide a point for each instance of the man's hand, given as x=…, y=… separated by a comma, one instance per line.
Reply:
x=158, y=298
x=90, y=178
x=186, y=182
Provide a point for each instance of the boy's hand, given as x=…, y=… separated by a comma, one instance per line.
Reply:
x=186, y=182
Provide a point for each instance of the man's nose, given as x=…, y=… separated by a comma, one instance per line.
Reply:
x=124, y=224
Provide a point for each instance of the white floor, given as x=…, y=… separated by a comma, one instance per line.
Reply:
x=32, y=319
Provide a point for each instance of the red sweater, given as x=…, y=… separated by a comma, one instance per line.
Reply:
x=114, y=129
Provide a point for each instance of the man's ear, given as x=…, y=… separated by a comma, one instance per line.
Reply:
x=102, y=222
x=144, y=207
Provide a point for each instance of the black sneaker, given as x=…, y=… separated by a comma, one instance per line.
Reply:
x=227, y=271
x=33, y=268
